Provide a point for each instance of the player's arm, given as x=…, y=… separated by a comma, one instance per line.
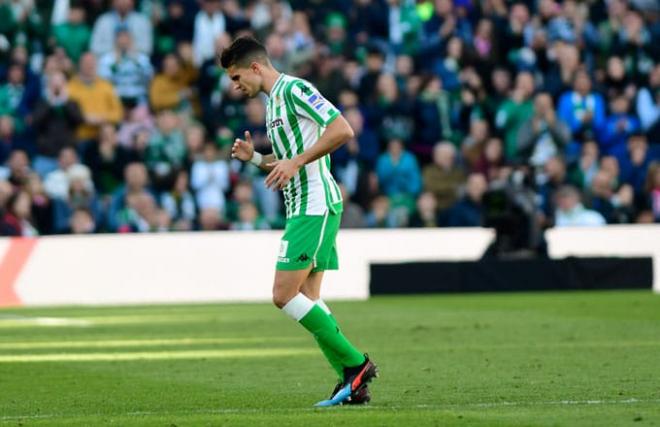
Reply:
x=337, y=133
x=311, y=105
x=243, y=149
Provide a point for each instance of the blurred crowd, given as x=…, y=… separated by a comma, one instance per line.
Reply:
x=116, y=117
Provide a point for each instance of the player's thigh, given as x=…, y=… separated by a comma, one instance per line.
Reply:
x=326, y=257
x=300, y=242
x=287, y=284
x=311, y=287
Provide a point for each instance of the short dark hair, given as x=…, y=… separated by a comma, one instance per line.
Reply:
x=243, y=51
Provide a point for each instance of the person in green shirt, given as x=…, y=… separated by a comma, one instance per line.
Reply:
x=73, y=36
x=515, y=111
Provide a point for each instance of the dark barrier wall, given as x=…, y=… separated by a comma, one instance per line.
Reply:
x=512, y=275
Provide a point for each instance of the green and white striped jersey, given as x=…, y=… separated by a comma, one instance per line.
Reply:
x=296, y=116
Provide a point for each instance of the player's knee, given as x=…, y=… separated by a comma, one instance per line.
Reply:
x=281, y=296
x=280, y=299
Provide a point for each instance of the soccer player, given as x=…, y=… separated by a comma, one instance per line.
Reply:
x=303, y=128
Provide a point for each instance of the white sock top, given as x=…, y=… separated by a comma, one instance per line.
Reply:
x=298, y=307
x=323, y=305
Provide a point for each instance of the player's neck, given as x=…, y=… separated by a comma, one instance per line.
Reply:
x=270, y=76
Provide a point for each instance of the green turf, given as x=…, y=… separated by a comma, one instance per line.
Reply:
x=568, y=359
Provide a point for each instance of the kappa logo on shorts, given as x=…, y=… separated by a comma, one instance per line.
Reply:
x=303, y=258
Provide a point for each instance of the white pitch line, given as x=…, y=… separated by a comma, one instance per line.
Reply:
x=447, y=406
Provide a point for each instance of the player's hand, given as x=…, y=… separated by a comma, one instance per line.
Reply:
x=283, y=171
x=243, y=149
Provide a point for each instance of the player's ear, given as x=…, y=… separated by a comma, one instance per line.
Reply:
x=255, y=67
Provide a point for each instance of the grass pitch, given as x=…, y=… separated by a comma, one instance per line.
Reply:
x=542, y=359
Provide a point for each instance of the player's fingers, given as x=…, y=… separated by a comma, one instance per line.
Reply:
x=248, y=137
x=269, y=179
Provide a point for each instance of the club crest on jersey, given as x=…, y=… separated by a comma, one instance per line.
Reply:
x=276, y=123
x=316, y=101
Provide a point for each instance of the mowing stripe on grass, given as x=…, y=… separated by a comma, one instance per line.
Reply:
x=370, y=407
x=10, y=321
x=140, y=342
x=16, y=321
x=158, y=355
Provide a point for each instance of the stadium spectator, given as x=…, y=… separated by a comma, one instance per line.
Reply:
x=444, y=176
x=515, y=111
x=380, y=214
x=542, y=136
x=248, y=219
x=491, y=164
x=210, y=23
x=583, y=171
x=653, y=190
x=433, y=117
x=353, y=215
x=618, y=126
x=426, y=214
x=614, y=204
x=634, y=163
x=211, y=219
x=166, y=151
x=122, y=16
x=74, y=34
x=57, y=182
x=571, y=212
x=398, y=171
x=96, y=97
x=468, y=211
x=474, y=142
x=55, y=119
x=18, y=169
x=16, y=221
x=9, y=140
x=82, y=222
x=107, y=160
x=210, y=180
x=41, y=209
x=357, y=155
x=128, y=70
x=171, y=89
x=176, y=26
x=18, y=96
x=122, y=207
x=179, y=203
x=553, y=177
x=648, y=105
x=80, y=196
x=582, y=109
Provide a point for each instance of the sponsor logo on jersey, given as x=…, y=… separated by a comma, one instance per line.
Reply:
x=316, y=101
x=276, y=123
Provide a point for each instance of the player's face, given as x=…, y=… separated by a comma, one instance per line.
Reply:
x=247, y=80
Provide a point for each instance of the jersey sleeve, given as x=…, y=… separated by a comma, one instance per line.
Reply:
x=309, y=103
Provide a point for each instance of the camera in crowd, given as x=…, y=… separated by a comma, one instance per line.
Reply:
x=510, y=208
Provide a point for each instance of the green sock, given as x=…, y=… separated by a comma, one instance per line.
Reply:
x=327, y=351
x=325, y=330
